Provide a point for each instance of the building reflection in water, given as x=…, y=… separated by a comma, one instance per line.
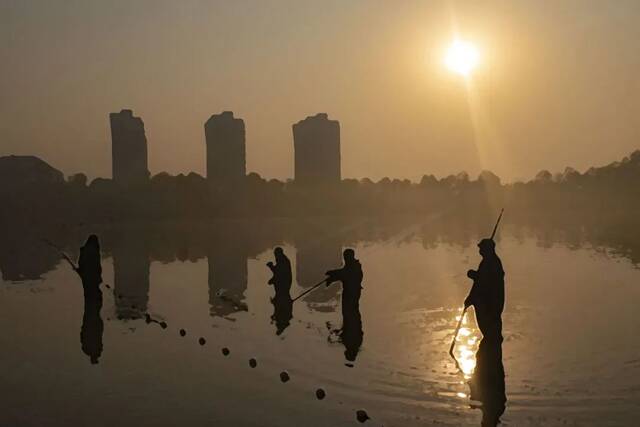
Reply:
x=131, y=266
x=227, y=279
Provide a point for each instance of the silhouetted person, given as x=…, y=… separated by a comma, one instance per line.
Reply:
x=89, y=266
x=487, y=297
x=281, y=281
x=90, y=271
x=281, y=270
x=487, y=292
x=351, y=276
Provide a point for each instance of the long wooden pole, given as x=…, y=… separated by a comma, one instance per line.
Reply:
x=495, y=228
x=308, y=290
x=64, y=255
x=455, y=337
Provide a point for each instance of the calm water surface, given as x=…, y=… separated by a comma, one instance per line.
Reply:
x=571, y=352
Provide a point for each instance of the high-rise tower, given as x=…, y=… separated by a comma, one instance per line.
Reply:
x=128, y=148
x=316, y=142
x=226, y=155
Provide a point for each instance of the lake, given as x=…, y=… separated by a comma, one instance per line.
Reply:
x=570, y=352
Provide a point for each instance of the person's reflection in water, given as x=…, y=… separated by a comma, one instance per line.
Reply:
x=90, y=271
x=281, y=281
x=487, y=297
x=487, y=383
x=351, y=276
x=351, y=334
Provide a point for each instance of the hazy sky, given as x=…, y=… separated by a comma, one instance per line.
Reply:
x=557, y=85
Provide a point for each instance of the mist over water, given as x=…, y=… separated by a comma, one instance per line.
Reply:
x=280, y=213
x=569, y=322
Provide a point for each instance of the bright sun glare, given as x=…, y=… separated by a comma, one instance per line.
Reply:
x=462, y=57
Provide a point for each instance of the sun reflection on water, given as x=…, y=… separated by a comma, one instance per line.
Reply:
x=466, y=345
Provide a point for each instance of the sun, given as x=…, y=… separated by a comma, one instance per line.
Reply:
x=462, y=57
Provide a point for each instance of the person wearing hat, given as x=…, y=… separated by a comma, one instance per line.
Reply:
x=487, y=298
x=487, y=292
x=350, y=275
x=89, y=268
x=281, y=270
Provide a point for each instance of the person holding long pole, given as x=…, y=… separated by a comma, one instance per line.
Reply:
x=479, y=291
x=487, y=292
x=351, y=334
x=487, y=297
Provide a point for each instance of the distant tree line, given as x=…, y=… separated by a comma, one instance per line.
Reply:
x=611, y=190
